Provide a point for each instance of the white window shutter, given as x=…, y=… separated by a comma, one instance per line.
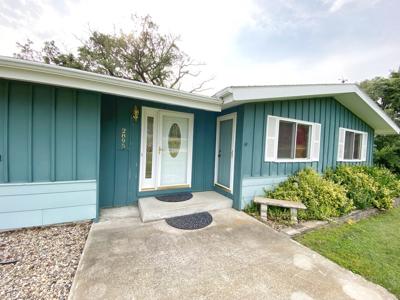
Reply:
x=342, y=137
x=364, y=146
x=315, y=142
x=271, y=139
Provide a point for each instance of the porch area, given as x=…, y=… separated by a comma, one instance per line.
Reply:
x=151, y=209
x=235, y=257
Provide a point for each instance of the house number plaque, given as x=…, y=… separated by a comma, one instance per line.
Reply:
x=123, y=138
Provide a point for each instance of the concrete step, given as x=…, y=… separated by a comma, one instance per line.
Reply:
x=151, y=209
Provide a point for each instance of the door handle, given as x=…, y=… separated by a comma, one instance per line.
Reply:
x=219, y=154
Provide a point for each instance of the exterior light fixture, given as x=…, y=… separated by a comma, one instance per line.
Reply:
x=135, y=113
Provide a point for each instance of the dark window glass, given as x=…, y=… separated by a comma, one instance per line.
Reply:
x=285, y=139
x=149, y=147
x=349, y=145
x=303, y=132
x=357, y=146
x=352, y=145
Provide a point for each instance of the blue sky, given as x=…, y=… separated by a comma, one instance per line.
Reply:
x=242, y=42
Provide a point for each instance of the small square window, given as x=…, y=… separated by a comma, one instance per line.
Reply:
x=352, y=145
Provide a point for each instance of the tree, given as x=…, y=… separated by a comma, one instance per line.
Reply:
x=144, y=54
x=386, y=93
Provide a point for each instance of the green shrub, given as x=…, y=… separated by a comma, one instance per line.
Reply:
x=323, y=198
x=367, y=186
x=385, y=178
x=252, y=208
x=360, y=187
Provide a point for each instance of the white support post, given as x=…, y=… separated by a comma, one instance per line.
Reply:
x=293, y=215
x=264, y=212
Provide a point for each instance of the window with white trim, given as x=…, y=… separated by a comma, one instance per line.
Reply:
x=291, y=140
x=352, y=145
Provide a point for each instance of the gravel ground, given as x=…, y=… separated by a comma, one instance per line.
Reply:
x=47, y=258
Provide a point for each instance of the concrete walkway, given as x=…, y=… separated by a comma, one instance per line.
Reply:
x=236, y=257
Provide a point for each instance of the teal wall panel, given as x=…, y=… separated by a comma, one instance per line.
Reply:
x=19, y=135
x=3, y=129
x=86, y=135
x=65, y=134
x=43, y=109
x=47, y=135
x=327, y=111
x=119, y=168
x=122, y=157
x=107, y=152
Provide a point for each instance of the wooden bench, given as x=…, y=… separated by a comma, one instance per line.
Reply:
x=265, y=202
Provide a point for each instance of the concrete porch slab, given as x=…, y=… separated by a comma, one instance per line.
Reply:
x=152, y=209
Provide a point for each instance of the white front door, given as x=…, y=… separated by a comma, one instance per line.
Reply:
x=166, y=156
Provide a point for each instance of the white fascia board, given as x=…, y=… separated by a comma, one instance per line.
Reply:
x=274, y=92
x=349, y=95
x=16, y=69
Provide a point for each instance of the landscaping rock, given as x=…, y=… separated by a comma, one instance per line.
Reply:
x=40, y=262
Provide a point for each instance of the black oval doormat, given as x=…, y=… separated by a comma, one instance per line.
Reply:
x=191, y=222
x=175, y=197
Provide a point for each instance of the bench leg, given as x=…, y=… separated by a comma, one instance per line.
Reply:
x=293, y=215
x=264, y=212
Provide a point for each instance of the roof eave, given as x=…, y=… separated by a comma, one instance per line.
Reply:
x=16, y=69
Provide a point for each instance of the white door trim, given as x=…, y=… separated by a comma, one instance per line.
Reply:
x=145, y=184
x=233, y=117
x=157, y=136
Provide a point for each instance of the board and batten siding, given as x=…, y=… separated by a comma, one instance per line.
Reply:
x=49, y=145
x=119, y=168
x=258, y=174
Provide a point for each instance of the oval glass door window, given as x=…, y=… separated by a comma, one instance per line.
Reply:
x=174, y=140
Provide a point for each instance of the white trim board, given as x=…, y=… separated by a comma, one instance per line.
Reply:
x=233, y=117
x=349, y=95
x=17, y=69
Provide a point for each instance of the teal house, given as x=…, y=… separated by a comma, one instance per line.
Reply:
x=73, y=142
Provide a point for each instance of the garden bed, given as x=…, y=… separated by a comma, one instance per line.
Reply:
x=302, y=227
x=40, y=262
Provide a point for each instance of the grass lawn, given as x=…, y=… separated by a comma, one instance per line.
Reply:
x=370, y=247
